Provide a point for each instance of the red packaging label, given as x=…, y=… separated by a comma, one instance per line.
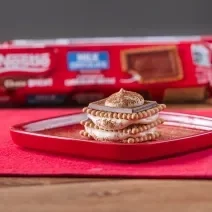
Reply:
x=97, y=67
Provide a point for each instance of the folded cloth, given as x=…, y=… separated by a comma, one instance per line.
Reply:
x=17, y=161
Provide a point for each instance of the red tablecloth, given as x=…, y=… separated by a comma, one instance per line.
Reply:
x=17, y=161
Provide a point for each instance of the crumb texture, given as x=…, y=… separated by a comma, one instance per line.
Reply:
x=124, y=99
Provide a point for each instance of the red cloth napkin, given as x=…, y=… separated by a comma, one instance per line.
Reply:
x=17, y=161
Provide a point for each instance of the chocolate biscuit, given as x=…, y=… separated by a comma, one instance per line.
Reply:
x=100, y=106
x=153, y=64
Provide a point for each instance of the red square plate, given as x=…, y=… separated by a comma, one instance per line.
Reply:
x=181, y=133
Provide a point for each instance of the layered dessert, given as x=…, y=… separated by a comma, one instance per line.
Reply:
x=122, y=117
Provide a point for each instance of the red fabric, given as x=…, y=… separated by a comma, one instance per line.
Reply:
x=16, y=161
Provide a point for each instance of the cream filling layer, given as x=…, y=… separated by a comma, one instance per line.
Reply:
x=117, y=124
x=115, y=135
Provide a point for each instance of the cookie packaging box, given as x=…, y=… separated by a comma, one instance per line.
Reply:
x=69, y=71
x=208, y=40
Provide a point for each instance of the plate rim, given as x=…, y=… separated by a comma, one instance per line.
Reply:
x=17, y=129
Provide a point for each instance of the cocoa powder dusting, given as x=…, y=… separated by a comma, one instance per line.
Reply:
x=124, y=98
x=167, y=132
x=108, y=123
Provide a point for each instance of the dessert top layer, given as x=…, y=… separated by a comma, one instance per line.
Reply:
x=123, y=102
x=124, y=99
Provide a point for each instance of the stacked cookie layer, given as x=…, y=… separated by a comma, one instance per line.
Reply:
x=124, y=127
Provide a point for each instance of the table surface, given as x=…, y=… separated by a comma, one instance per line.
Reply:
x=105, y=194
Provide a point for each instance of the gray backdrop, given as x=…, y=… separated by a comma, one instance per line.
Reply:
x=71, y=18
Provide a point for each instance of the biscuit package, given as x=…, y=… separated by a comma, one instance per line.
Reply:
x=208, y=40
x=83, y=70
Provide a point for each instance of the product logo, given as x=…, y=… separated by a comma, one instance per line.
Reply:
x=25, y=62
x=88, y=60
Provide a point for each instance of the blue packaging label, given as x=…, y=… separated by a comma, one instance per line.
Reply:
x=88, y=60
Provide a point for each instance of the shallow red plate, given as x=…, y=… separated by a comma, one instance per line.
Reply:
x=181, y=133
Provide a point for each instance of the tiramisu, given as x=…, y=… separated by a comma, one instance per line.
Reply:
x=122, y=117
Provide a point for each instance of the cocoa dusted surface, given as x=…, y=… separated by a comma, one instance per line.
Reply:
x=99, y=105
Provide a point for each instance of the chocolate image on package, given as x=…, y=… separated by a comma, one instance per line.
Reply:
x=122, y=117
x=153, y=64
